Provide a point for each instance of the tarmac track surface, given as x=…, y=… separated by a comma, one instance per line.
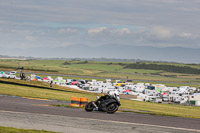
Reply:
x=36, y=114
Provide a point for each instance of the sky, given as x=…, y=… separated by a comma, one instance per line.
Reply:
x=58, y=23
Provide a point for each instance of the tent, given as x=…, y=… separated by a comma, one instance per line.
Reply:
x=158, y=90
x=75, y=83
x=37, y=77
x=62, y=81
x=127, y=92
x=45, y=78
x=34, y=79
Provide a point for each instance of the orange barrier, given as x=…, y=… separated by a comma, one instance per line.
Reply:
x=83, y=102
x=75, y=101
x=78, y=102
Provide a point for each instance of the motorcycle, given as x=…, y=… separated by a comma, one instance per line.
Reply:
x=105, y=103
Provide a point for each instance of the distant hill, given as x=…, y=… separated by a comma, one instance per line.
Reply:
x=171, y=54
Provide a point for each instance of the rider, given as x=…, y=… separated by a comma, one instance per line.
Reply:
x=109, y=94
x=114, y=94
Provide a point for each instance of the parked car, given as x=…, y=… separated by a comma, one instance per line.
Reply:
x=11, y=75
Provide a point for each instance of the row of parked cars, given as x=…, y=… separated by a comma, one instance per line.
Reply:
x=11, y=74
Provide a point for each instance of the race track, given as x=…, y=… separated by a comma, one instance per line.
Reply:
x=37, y=114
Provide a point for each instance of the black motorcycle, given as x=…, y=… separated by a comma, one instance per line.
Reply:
x=105, y=103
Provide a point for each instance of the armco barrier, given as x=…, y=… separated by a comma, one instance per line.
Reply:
x=83, y=102
x=75, y=101
x=78, y=102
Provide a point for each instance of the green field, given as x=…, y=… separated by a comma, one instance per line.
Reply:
x=40, y=90
x=103, y=69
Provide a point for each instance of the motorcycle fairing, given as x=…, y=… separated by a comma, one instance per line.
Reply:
x=104, y=103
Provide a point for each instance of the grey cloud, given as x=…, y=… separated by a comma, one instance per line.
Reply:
x=161, y=23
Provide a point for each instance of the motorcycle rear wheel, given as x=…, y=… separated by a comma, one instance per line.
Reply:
x=112, y=108
x=89, y=107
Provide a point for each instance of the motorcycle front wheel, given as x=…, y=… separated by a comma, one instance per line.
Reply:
x=89, y=107
x=112, y=108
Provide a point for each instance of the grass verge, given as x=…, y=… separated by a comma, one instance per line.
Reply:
x=17, y=130
x=41, y=90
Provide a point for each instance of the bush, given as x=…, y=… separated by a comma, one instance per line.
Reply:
x=66, y=63
x=167, y=68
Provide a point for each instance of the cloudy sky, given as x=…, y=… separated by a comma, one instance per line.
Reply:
x=57, y=23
